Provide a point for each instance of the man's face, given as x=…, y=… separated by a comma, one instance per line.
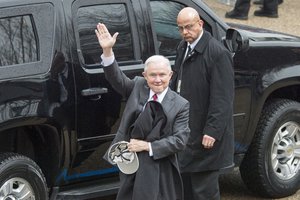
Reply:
x=189, y=28
x=158, y=77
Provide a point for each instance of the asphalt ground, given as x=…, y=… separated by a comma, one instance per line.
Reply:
x=231, y=185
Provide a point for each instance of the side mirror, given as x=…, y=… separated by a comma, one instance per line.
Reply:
x=236, y=40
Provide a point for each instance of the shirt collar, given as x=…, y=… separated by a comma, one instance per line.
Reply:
x=192, y=45
x=160, y=96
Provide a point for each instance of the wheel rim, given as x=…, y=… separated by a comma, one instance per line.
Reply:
x=285, y=152
x=16, y=189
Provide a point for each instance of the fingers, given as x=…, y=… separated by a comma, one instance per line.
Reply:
x=101, y=31
x=101, y=28
x=104, y=29
x=137, y=145
x=105, y=39
x=208, y=142
x=132, y=145
x=103, y=34
x=97, y=34
x=115, y=36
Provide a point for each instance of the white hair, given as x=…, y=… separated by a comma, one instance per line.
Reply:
x=158, y=59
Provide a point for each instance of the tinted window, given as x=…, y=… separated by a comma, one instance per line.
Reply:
x=17, y=41
x=115, y=17
x=164, y=16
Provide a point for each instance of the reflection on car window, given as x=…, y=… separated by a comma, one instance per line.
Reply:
x=164, y=16
x=115, y=17
x=17, y=41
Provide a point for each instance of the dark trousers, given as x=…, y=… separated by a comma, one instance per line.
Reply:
x=243, y=6
x=201, y=185
x=270, y=6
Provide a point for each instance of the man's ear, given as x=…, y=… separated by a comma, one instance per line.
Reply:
x=201, y=23
x=144, y=74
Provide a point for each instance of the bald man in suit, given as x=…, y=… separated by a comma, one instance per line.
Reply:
x=174, y=132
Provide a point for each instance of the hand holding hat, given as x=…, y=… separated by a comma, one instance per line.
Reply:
x=126, y=161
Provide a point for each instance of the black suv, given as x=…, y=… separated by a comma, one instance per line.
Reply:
x=59, y=114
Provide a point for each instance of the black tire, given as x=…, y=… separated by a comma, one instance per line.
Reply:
x=20, y=175
x=271, y=167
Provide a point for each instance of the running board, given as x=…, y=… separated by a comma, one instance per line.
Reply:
x=87, y=192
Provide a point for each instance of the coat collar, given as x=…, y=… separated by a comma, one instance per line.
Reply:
x=200, y=46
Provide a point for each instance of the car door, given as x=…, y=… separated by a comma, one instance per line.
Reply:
x=99, y=108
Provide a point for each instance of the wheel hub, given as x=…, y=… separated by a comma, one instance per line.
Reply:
x=285, y=152
x=16, y=189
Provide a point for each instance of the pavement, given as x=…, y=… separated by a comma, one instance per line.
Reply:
x=233, y=188
x=287, y=22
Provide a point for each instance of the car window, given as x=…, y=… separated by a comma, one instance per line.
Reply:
x=115, y=17
x=18, y=43
x=164, y=18
x=26, y=39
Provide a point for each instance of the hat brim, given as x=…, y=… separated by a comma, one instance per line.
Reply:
x=129, y=168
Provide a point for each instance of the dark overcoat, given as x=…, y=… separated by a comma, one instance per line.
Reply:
x=208, y=84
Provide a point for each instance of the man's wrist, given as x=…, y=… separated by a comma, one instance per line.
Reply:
x=108, y=52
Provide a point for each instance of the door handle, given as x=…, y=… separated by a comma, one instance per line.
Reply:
x=93, y=91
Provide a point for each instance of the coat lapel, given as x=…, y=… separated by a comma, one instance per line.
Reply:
x=168, y=101
x=143, y=97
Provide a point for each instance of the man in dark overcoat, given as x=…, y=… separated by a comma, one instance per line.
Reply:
x=156, y=144
x=203, y=74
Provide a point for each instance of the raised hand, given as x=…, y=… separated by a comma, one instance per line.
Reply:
x=105, y=39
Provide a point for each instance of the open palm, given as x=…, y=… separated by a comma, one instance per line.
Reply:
x=104, y=37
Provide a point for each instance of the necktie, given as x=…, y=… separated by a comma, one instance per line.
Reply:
x=190, y=49
x=154, y=97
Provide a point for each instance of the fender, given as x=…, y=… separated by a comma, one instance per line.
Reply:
x=284, y=79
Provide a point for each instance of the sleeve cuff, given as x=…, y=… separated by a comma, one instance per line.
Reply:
x=106, y=61
x=150, y=150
